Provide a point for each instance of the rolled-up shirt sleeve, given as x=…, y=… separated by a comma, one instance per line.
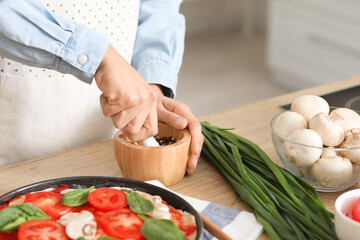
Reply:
x=32, y=35
x=159, y=44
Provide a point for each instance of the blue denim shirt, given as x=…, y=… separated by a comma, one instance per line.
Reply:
x=32, y=35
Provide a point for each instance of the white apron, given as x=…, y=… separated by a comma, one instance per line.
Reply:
x=44, y=111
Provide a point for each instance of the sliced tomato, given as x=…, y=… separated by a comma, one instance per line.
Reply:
x=178, y=219
x=356, y=210
x=86, y=207
x=107, y=199
x=43, y=229
x=49, y=202
x=187, y=229
x=98, y=214
x=8, y=236
x=122, y=224
x=100, y=233
x=3, y=206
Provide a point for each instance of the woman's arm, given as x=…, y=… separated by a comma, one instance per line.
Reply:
x=159, y=44
x=32, y=35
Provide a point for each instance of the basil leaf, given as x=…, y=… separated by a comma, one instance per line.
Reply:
x=13, y=225
x=77, y=197
x=9, y=215
x=82, y=238
x=139, y=204
x=160, y=229
x=126, y=190
x=32, y=212
x=12, y=217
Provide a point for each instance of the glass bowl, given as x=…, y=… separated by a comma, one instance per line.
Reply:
x=324, y=175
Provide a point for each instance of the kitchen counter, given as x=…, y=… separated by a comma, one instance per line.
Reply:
x=250, y=121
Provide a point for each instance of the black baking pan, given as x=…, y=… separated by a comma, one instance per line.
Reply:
x=103, y=181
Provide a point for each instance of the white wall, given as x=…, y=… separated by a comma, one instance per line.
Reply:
x=213, y=15
x=313, y=42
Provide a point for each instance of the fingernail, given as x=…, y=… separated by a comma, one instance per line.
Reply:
x=195, y=162
x=195, y=165
x=197, y=149
x=179, y=121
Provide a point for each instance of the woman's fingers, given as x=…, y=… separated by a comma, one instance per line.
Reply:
x=197, y=141
x=180, y=116
x=127, y=98
x=168, y=112
x=172, y=119
x=142, y=126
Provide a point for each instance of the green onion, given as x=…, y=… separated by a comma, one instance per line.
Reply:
x=286, y=206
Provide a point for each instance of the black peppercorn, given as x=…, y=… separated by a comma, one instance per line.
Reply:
x=163, y=141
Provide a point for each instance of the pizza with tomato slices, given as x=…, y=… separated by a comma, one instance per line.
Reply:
x=93, y=213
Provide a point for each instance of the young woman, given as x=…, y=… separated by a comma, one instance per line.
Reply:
x=47, y=45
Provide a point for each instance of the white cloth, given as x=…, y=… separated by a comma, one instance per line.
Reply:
x=239, y=225
x=43, y=111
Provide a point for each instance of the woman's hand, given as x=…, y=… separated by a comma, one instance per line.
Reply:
x=179, y=116
x=127, y=98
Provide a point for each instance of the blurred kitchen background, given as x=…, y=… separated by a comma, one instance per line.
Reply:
x=242, y=51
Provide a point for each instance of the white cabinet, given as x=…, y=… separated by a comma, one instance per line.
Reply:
x=313, y=42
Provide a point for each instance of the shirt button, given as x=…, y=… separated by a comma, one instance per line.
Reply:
x=82, y=59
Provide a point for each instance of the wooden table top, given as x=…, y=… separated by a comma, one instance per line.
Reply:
x=250, y=121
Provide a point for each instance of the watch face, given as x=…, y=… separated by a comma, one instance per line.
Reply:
x=349, y=98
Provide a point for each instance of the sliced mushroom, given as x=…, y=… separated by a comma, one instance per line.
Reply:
x=17, y=201
x=303, y=155
x=310, y=105
x=287, y=122
x=161, y=211
x=75, y=216
x=160, y=214
x=80, y=224
x=81, y=228
x=352, y=140
x=346, y=117
x=331, y=132
x=67, y=191
x=333, y=171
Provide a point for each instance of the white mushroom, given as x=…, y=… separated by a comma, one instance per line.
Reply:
x=161, y=211
x=329, y=152
x=17, y=201
x=331, y=133
x=352, y=140
x=79, y=225
x=287, y=122
x=160, y=214
x=309, y=105
x=67, y=190
x=346, y=117
x=76, y=216
x=77, y=229
x=306, y=171
x=332, y=171
x=302, y=155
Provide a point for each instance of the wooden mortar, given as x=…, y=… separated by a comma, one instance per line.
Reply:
x=167, y=164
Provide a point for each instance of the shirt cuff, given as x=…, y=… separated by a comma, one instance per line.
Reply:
x=159, y=72
x=83, y=53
